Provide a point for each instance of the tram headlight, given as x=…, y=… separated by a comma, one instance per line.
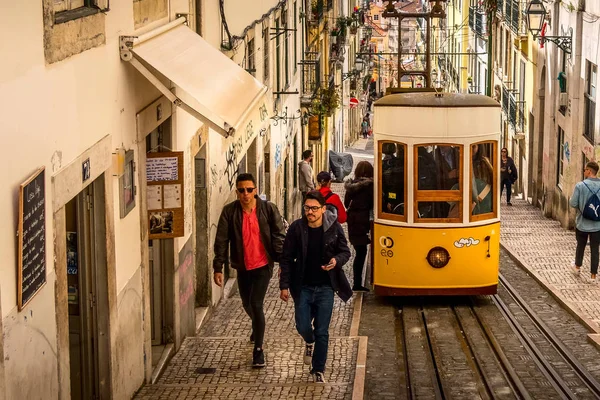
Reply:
x=438, y=257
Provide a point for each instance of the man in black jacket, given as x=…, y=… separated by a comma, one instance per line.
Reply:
x=314, y=252
x=252, y=230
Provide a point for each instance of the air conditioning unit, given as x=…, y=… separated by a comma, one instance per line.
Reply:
x=563, y=99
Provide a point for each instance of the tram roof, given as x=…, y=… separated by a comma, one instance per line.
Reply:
x=432, y=99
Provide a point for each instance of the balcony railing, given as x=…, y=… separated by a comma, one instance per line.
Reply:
x=514, y=109
x=478, y=21
x=311, y=75
x=316, y=12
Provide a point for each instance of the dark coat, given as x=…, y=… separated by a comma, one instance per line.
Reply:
x=359, y=203
x=293, y=258
x=229, y=234
x=511, y=170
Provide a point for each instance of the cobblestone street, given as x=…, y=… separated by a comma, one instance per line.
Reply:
x=215, y=364
x=546, y=250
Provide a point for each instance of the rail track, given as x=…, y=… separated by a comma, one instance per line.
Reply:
x=487, y=347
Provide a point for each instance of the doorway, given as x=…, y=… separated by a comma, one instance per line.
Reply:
x=161, y=267
x=87, y=285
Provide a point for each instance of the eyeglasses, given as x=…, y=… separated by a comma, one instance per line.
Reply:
x=312, y=208
x=248, y=190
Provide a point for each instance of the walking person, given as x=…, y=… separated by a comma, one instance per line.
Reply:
x=587, y=222
x=314, y=252
x=305, y=173
x=331, y=199
x=359, y=205
x=251, y=231
x=365, y=126
x=508, y=174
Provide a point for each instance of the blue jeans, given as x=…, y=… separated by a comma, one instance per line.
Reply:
x=314, y=306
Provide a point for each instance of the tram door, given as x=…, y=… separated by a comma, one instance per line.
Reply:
x=87, y=293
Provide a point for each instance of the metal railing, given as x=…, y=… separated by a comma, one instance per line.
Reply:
x=514, y=109
x=311, y=75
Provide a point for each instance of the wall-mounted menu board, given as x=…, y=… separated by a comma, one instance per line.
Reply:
x=32, y=237
x=164, y=194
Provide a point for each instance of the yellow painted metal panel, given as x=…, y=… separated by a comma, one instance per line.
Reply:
x=400, y=256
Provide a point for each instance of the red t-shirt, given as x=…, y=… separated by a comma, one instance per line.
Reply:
x=255, y=255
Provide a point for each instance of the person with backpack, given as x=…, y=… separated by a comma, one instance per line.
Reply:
x=587, y=223
x=333, y=203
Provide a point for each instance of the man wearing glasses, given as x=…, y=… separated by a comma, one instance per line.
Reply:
x=314, y=252
x=251, y=230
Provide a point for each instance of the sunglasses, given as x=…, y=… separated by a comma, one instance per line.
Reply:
x=312, y=208
x=248, y=190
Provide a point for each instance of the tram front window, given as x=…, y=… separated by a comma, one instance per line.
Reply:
x=438, y=168
x=392, y=177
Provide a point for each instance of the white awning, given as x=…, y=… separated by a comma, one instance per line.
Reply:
x=217, y=90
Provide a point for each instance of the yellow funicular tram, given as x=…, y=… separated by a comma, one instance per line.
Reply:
x=437, y=210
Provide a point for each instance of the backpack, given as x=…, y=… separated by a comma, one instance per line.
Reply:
x=331, y=207
x=592, y=205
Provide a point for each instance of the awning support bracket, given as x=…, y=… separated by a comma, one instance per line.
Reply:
x=126, y=55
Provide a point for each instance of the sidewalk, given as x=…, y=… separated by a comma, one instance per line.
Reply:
x=546, y=250
x=215, y=364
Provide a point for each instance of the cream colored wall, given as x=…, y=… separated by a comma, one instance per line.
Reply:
x=51, y=114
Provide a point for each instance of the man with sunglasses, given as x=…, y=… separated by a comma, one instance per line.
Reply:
x=314, y=252
x=251, y=231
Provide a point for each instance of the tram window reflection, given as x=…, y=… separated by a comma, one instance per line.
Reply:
x=482, y=178
x=392, y=177
x=438, y=167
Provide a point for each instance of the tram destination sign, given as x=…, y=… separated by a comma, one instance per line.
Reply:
x=32, y=237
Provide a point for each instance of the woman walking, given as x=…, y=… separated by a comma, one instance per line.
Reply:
x=508, y=174
x=359, y=205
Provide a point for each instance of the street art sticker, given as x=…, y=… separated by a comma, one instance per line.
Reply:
x=567, y=151
x=277, y=155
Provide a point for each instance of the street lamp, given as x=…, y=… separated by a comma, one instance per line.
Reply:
x=536, y=15
x=359, y=65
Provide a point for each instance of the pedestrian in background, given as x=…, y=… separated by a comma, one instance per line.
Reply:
x=251, y=231
x=365, y=126
x=587, y=228
x=324, y=180
x=359, y=205
x=314, y=252
x=508, y=174
x=305, y=173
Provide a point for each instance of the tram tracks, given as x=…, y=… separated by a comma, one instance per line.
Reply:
x=487, y=347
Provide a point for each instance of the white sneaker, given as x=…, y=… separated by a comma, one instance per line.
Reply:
x=319, y=377
x=574, y=268
x=308, y=353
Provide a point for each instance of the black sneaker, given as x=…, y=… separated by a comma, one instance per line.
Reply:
x=258, y=358
x=359, y=289
x=319, y=377
x=509, y=204
x=308, y=353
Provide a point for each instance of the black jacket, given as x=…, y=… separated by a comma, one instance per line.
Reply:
x=229, y=234
x=359, y=203
x=511, y=170
x=292, y=262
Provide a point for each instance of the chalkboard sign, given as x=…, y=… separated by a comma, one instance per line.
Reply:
x=32, y=237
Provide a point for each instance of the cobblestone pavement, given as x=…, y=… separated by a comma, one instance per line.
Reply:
x=546, y=250
x=215, y=364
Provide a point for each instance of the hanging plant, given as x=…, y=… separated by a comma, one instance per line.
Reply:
x=326, y=102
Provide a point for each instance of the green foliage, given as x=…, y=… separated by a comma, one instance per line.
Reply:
x=326, y=102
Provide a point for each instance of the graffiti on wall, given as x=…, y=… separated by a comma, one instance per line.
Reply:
x=277, y=155
x=567, y=151
x=231, y=166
